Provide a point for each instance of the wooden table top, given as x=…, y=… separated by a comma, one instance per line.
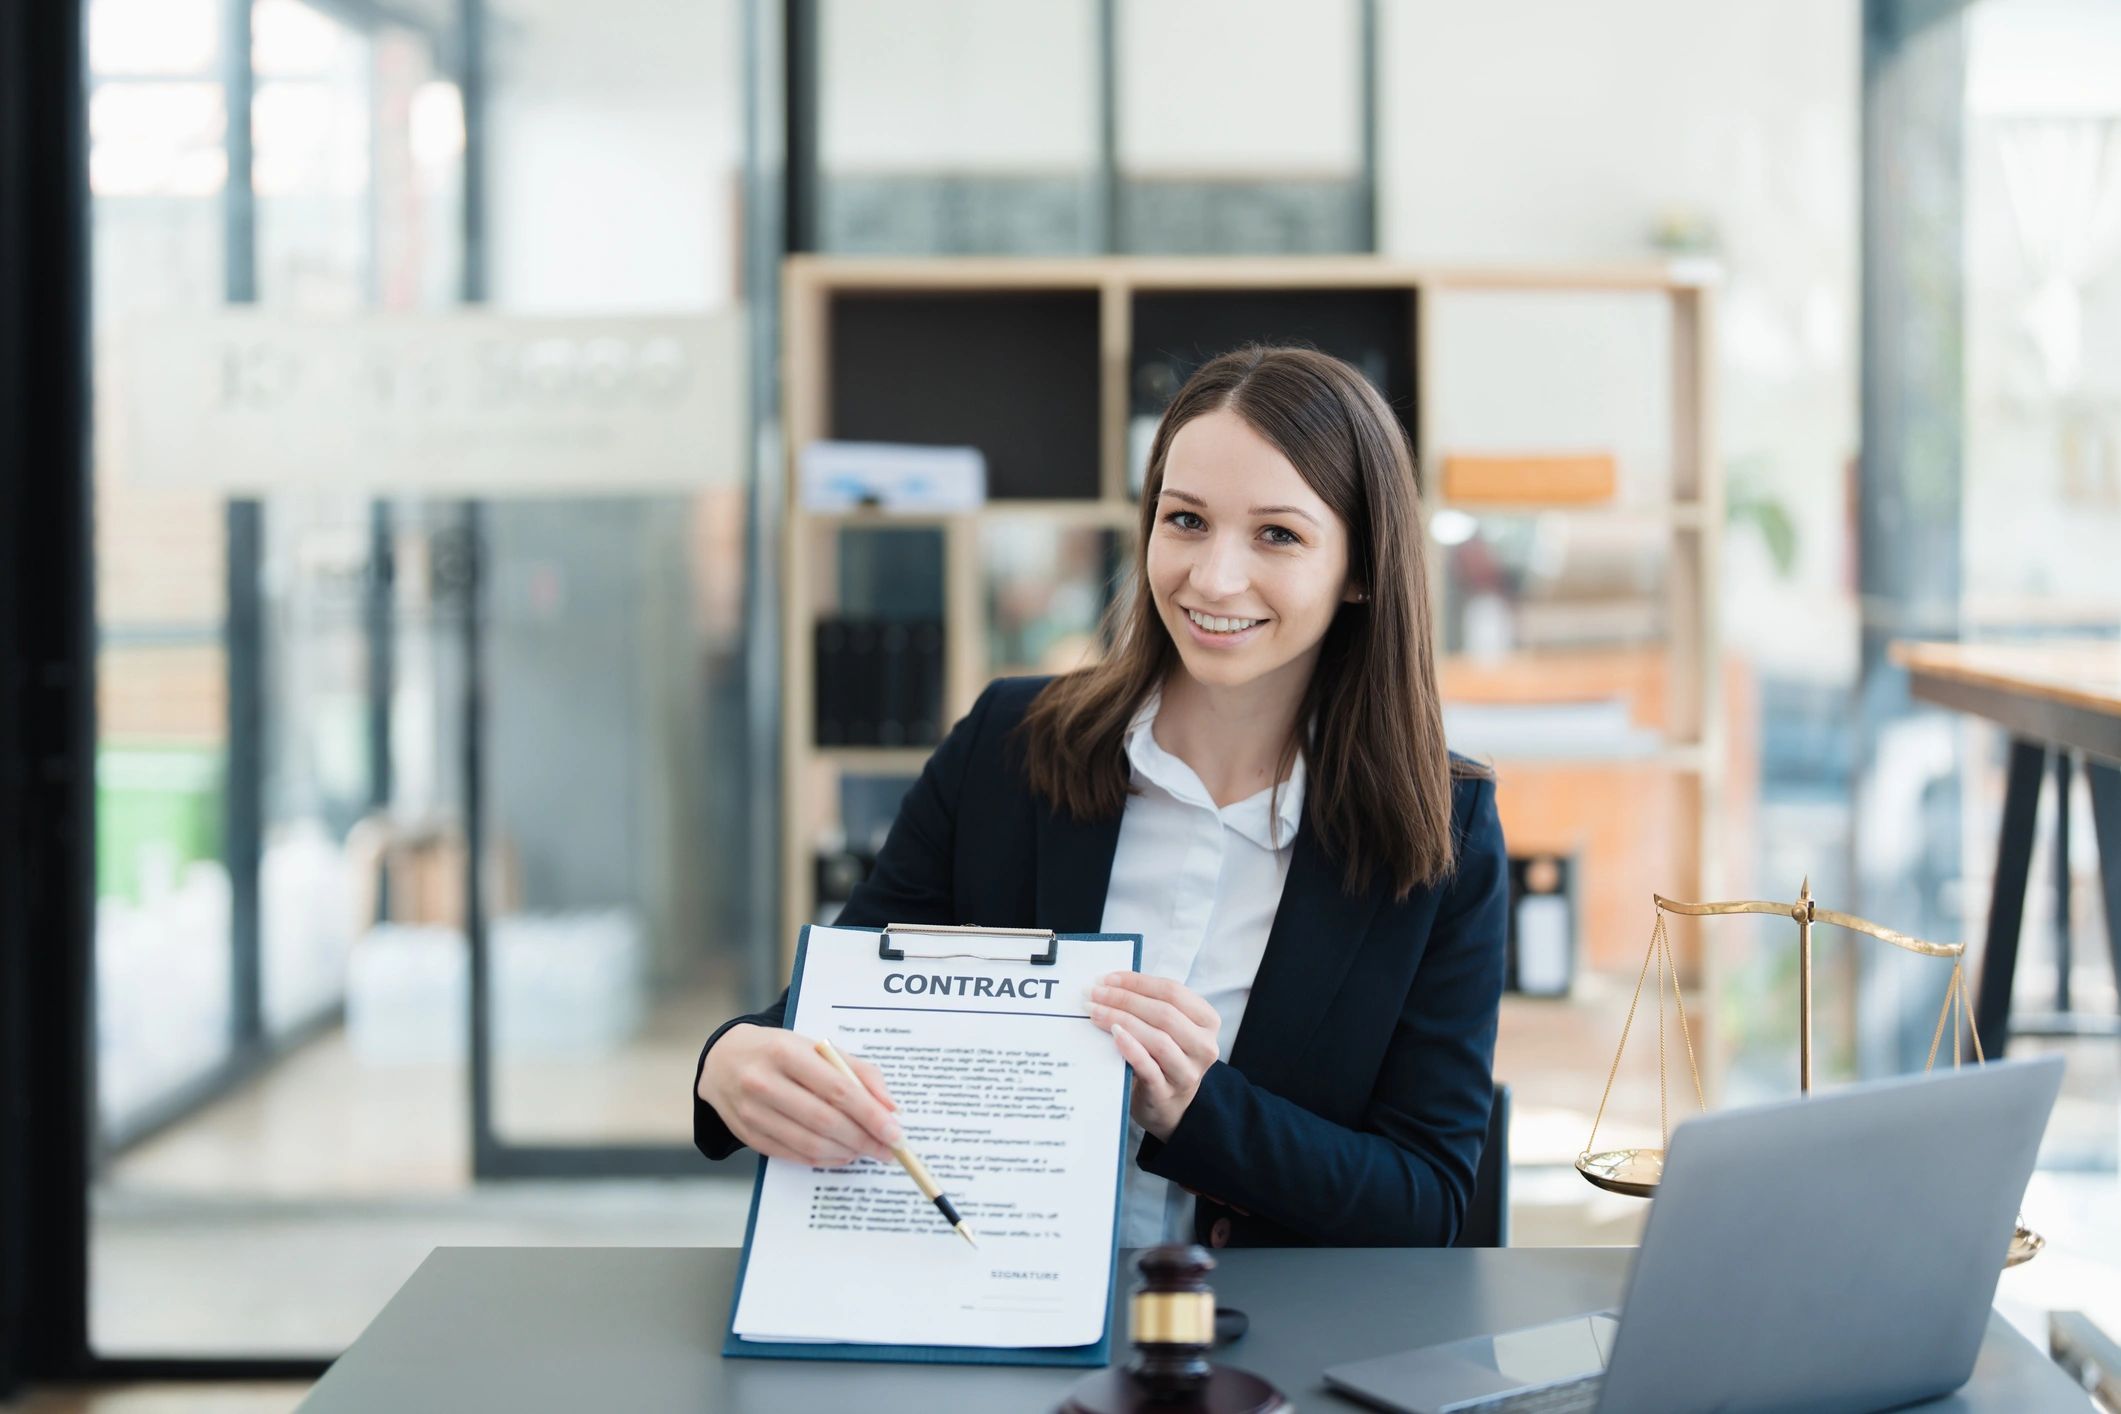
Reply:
x=2079, y=673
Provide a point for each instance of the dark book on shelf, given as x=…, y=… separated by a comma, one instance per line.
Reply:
x=894, y=698
x=830, y=670
x=864, y=676
x=879, y=682
x=925, y=724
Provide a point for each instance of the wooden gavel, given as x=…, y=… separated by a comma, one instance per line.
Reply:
x=1173, y=1326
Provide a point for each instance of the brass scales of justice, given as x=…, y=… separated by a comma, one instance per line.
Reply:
x=1636, y=1172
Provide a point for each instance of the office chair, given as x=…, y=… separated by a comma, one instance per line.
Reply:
x=1487, y=1221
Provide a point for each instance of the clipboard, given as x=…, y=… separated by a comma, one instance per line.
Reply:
x=939, y=942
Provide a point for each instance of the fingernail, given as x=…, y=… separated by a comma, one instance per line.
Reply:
x=893, y=1134
x=1103, y=994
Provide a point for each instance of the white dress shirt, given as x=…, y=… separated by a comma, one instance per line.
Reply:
x=1200, y=884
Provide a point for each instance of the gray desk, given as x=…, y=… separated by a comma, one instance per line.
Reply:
x=560, y=1328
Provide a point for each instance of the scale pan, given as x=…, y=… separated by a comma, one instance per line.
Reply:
x=1634, y=1172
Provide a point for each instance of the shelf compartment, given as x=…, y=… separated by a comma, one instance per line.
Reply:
x=1012, y=372
x=1175, y=332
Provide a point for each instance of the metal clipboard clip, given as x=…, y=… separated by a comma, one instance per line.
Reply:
x=946, y=932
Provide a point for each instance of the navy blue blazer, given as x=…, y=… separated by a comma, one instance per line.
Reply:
x=1351, y=1109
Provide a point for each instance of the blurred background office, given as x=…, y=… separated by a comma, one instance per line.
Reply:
x=444, y=782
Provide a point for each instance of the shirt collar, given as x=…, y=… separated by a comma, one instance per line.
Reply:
x=1249, y=817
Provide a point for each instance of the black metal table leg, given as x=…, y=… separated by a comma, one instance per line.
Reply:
x=2006, y=909
x=2105, y=782
x=2062, y=881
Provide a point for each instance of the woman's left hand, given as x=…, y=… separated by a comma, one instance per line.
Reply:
x=1167, y=1033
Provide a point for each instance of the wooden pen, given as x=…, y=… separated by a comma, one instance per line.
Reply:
x=915, y=1169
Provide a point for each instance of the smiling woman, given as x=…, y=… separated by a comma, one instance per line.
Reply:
x=1255, y=781
x=1282, y=552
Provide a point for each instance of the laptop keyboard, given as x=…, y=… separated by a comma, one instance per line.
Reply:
x=1575, y=1397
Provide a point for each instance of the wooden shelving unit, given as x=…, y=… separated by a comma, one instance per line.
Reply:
x=979, y=346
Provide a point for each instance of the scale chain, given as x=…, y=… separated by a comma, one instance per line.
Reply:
x=1957, y=1011
x=1625, y=1027
x=1659, y=951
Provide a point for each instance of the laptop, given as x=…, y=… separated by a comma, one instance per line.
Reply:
x=1837, y=1253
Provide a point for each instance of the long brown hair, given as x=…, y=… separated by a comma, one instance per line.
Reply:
x=1378, y=776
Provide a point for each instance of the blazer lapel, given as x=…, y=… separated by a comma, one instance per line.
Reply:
x=1318, y=929
x=1074, y=871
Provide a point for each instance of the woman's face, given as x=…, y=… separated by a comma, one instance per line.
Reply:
x=1247, y=566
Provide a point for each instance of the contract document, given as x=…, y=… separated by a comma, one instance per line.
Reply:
x=1016, y=1102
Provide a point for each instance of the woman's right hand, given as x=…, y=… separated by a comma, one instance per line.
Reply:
x=778, y=1095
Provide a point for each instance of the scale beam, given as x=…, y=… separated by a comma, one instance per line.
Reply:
x=1816, y=914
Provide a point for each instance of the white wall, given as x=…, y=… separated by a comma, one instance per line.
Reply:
x=2060, y=57
x=1543, y=130
x=963, y=86
x=1204, y=86
x=1231, y=87
x=611, y=203
x=615, y=137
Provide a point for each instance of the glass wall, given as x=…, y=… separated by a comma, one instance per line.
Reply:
x=328, y=605
x=158, y=123
x=1988, y=505
x=619, y=777
x=2041, y=150
x=2043, y=304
